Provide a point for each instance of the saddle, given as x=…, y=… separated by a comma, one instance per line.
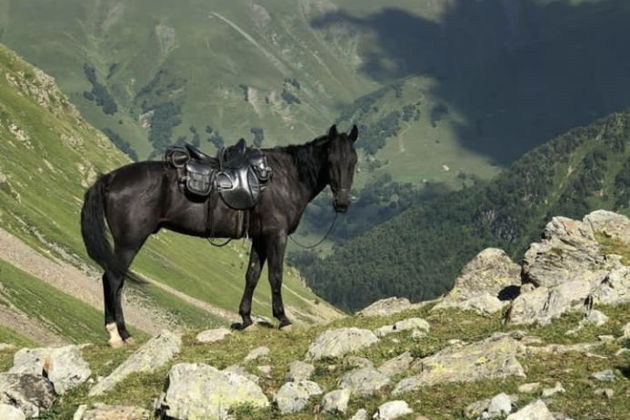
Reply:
x=238, y=173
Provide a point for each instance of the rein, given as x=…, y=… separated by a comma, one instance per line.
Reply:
x=332, y=225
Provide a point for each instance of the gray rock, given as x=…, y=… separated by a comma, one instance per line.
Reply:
x=529, y=388
x=607, y=375
x=536, y=410
x=610, y=224
x=358, y=362
x=497, y=406
x=8, y=412
x=257, y=353
x=404, y=325
x=299, y=371
x=584, y=348
x=265, y=370
x=595, y=317
x=494, y=357
x=63, y=366
x=558, y=388
x=386, y=307
x=361, y=414
x=294, y=396
x=240, y=370
x=338, y=342
x=197, y=391
x=364, y=381
x=397, y=365
x=615, y=288
x=336, y=401
x=392, y=410
x=32, y=394
x=481, y=281
x=154, y=354
x=210, y=336
x=111, y=412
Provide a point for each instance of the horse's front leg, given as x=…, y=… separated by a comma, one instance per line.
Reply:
x=257, y=258
x=276, y=246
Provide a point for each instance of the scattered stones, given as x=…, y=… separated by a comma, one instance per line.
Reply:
x=548, y=392
x=63, y=366
x=494, y=357
x=397, y=365
x=497, y=406
x=389, y=306
x=392, y=410
x=606, y=392
x=8, y=412
x=338, y=342
x=404, y=325
x=152, y=355
x=294, y=396
x=197, y=391
x=536, y=410
x=358, y=362
x=256, y=354
x=361, y=414
x=210, y=336
x=30, y=393
x=607, y=375
x=111, y=412
x=529, y=388
x=299, y=371
x=485, y=284
x=364, y=381
x=336, y=401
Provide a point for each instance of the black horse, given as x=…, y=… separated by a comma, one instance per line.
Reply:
x=139, y=199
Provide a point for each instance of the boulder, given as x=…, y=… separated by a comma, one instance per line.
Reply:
x=294, y=396
x=364, y=381
x=397, y=365
x=361, y=414
x=498, y=406
x=240, y=370
x=111, y=412
x=32, y=394
x=614, y=289
x=392, y=410
x=404, y=325
x=197, y=391
x=338, y=342
x=154, y=354
x=299, y=371
x=389, y=306
x=336, y=401
x=257, y=353
x=610, y=224
x=484, y=284
x=8, y=412
x=536, y=410
x=494, y=357
x=210, y=336
x=63, y=366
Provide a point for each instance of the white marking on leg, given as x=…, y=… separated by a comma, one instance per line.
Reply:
x=115, y=340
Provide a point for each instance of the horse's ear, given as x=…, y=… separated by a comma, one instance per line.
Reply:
x=332, y=133
x=354, y=133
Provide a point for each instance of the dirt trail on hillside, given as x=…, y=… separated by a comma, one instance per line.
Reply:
x=27, y=327
x=72, y=281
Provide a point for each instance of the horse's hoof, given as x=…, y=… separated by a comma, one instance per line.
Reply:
x=239, y=326
x=116, y=344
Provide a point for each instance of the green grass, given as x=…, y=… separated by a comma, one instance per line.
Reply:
x=614, y=246
x=445, y=401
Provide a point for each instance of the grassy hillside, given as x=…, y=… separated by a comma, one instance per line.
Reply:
x=50, y=156
x=419, y=253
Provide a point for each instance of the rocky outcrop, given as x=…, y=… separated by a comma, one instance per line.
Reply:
x=364, y=381
x=569, y=269
x=485, y=284
x=294, y=396
x=336, y=402
x=63, y=366
x=396, y=365
x=200, y=392
x=388, y=306
x=32, y=394
x=494, y=357
x=338, y=342
x=8, y=412
x=152, y=355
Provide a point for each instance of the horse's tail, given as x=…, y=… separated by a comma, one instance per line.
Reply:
x=93, y=225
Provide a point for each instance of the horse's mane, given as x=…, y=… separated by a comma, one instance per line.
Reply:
x=306, y=157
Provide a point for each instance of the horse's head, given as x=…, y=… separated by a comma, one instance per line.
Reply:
x=342, y=159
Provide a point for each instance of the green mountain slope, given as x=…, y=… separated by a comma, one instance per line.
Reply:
x=50, y=155
x=419, y=253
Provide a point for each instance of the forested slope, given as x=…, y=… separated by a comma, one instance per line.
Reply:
x=419, y=253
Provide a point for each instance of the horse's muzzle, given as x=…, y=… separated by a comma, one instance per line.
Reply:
x=340, y=207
